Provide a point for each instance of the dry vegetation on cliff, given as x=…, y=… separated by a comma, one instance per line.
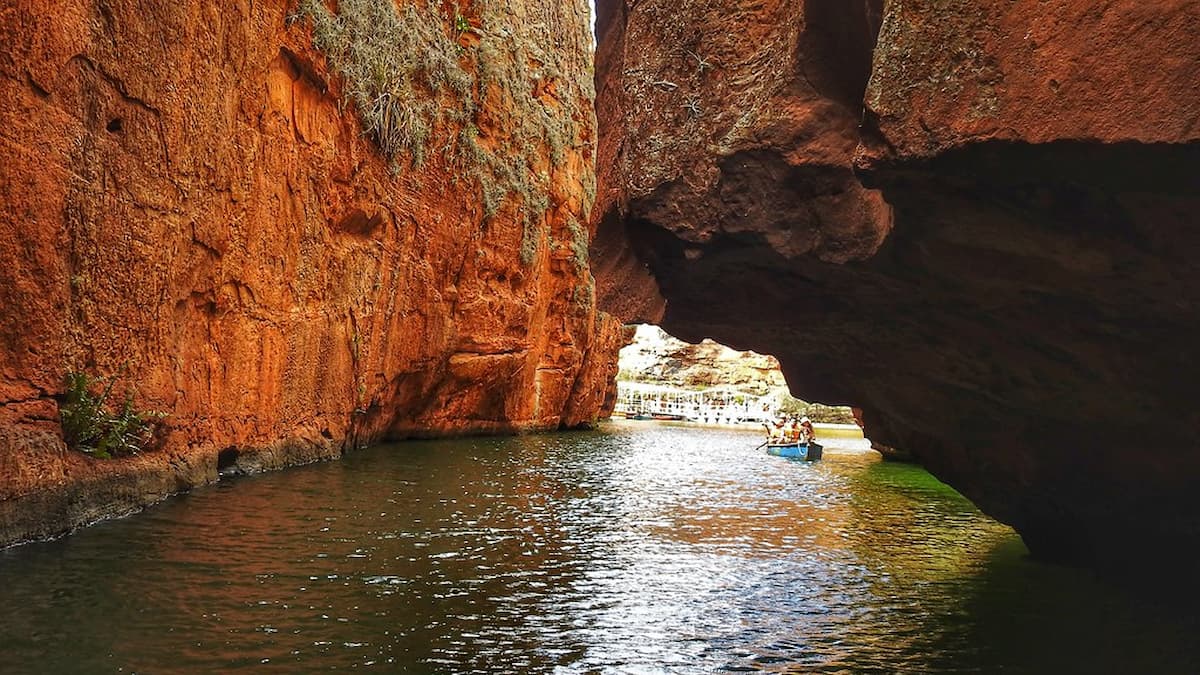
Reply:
x=389, y=59
x=424, y=82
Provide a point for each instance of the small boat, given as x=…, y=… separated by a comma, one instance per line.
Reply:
x=809, y=452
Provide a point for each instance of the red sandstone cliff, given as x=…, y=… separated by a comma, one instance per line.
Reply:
x=190, y=199
x=1020, y=313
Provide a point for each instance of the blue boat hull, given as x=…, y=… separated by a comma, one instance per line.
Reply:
x=809, y=452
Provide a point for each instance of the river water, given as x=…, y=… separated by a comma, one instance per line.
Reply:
x=638, y=549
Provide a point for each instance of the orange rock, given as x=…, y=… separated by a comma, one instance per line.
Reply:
x=189, y=200
x=728, y=128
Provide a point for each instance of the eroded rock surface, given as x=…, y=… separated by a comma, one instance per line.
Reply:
x=999, y=265
x=728, y=127
x=191, y=202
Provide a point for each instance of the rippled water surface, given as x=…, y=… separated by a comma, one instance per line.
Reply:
x=640, y=549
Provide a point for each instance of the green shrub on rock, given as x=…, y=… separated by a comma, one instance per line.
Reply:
x=91, y=428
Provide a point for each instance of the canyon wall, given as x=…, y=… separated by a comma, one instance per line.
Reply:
x=289, y=249
x=982, y=230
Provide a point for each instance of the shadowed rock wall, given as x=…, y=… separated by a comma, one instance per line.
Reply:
x=989, y=244
x=190, y=201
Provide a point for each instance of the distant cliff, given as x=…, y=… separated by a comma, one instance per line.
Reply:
x=656, y=356
x=292, y=230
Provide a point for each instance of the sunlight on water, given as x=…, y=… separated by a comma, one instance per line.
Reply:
x=652, y=549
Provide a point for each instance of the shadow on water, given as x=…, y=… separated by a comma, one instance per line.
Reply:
x=982, y=594
x=1036, y=617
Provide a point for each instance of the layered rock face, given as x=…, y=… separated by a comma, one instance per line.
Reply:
x=289, y=251
x=997, y=265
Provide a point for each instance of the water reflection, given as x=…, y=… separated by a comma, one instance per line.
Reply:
x=653, y=550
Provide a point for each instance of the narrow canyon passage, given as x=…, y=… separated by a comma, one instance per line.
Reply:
x=413, y=235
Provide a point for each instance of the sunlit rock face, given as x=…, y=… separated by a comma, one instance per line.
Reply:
x=193, y=197
x=999, y=265
x=655, y=356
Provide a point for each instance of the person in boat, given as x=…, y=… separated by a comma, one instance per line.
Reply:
x=793, y=431
x=806, y=431
x=775, y=431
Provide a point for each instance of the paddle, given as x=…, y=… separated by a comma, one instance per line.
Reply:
x=768, y=428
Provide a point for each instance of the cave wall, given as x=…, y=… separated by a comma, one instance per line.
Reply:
x=987, y=240
x=191, y=203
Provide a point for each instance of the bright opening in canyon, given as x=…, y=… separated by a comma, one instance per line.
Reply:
x=708, y=384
